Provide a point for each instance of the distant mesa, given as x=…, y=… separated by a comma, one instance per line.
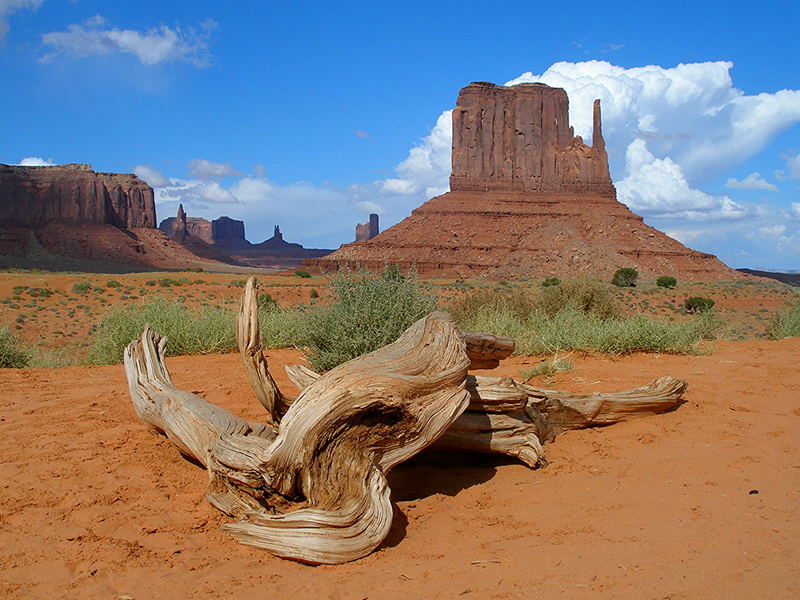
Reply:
x=368, y=230
x=528, y=199
x=226, y=237
x=70, y=216
x=223, y=232
x=75, y=194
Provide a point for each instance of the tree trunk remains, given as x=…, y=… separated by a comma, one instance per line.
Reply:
x=310, y=483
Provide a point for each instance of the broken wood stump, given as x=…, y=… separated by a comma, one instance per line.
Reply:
x=309, y=483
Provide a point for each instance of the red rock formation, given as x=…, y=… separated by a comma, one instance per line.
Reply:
x=74, y=194
x=368, y=230
x=519, y=138
x=528, y=199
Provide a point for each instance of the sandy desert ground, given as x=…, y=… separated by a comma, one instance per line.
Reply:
x=701, y=502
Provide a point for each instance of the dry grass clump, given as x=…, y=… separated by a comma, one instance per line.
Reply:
x=579, y=314
x=786, y=323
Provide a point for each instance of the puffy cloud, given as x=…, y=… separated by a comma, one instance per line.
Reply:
x=362, y=134
x=657, y=187
x=188, y=191
x=427, y=168
x=156, y=45
x=681, y=126
x=151, y=176
x=794, y=210
x=8, y=7
x=35, y=161
x=754, y=181
x=206, y=169
x=793, y=165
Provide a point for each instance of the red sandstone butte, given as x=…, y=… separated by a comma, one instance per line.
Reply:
x=73, y=194
x=528, y=199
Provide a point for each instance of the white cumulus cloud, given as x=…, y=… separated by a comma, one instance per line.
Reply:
x=153, y=46
x=151, y=176
x=36, y=161
x=8, y=7
x=754, y=181
x=206, y=169
x=657, y=187
x=681, y=126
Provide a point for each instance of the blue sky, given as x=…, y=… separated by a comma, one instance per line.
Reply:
x=311, y=115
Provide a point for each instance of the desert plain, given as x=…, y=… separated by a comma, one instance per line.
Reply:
x=699, y=502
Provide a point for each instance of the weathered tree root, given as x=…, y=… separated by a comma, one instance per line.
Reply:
x=310, y=483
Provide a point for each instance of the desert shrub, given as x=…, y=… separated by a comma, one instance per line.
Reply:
x=480, y=303
x=368, y=311
x=582, y=294
x=40, y=292
x=550, y=281
x=12, y=355
x=168, y=282
x=786, y=323
x=302, y=274
x=81, y=288
x=697, y=304
x=238, y=283
x=585, y=318
x=547, y=368
x=393, y=273
x=113, y=283
x=666, y=282
x=201, y=331
x=266, y=302
x=625, y=277
x=313, y=293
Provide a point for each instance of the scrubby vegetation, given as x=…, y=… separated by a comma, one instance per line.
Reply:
x=579, y=314
x=202, y=331
x=12, y=355
x=698, y=304
x=551, y=281
x=786, y=323
x=368, y=311
x=666, y=282
x=625, y=277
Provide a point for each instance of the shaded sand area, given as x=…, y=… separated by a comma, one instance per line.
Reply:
x=96, y=506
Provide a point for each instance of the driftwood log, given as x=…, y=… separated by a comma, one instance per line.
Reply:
x=309, y=483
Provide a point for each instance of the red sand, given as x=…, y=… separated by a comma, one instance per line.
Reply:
x=96, y=506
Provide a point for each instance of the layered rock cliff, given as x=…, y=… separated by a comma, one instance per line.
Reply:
x=528, y=199
x=73, y=194
x=519, y=138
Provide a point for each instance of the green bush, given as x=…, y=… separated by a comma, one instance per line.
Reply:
x=625, y=277
x=666, y=282
x=12, y=356
x=302, y=274
x=393, y=273
x=81, y=288
x=203, y=331
x=40, y=292
x=313, y=293
x=584, y=318
x=697, y=304
x=368, y=311
x=786, y=323
x=550, y=281
x=582, y=294
x=266, y=302
x=113, y=283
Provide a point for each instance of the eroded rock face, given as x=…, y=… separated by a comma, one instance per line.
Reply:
x=519, y=138
x=368, y=230
x=528, y=199
x=74, y=194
